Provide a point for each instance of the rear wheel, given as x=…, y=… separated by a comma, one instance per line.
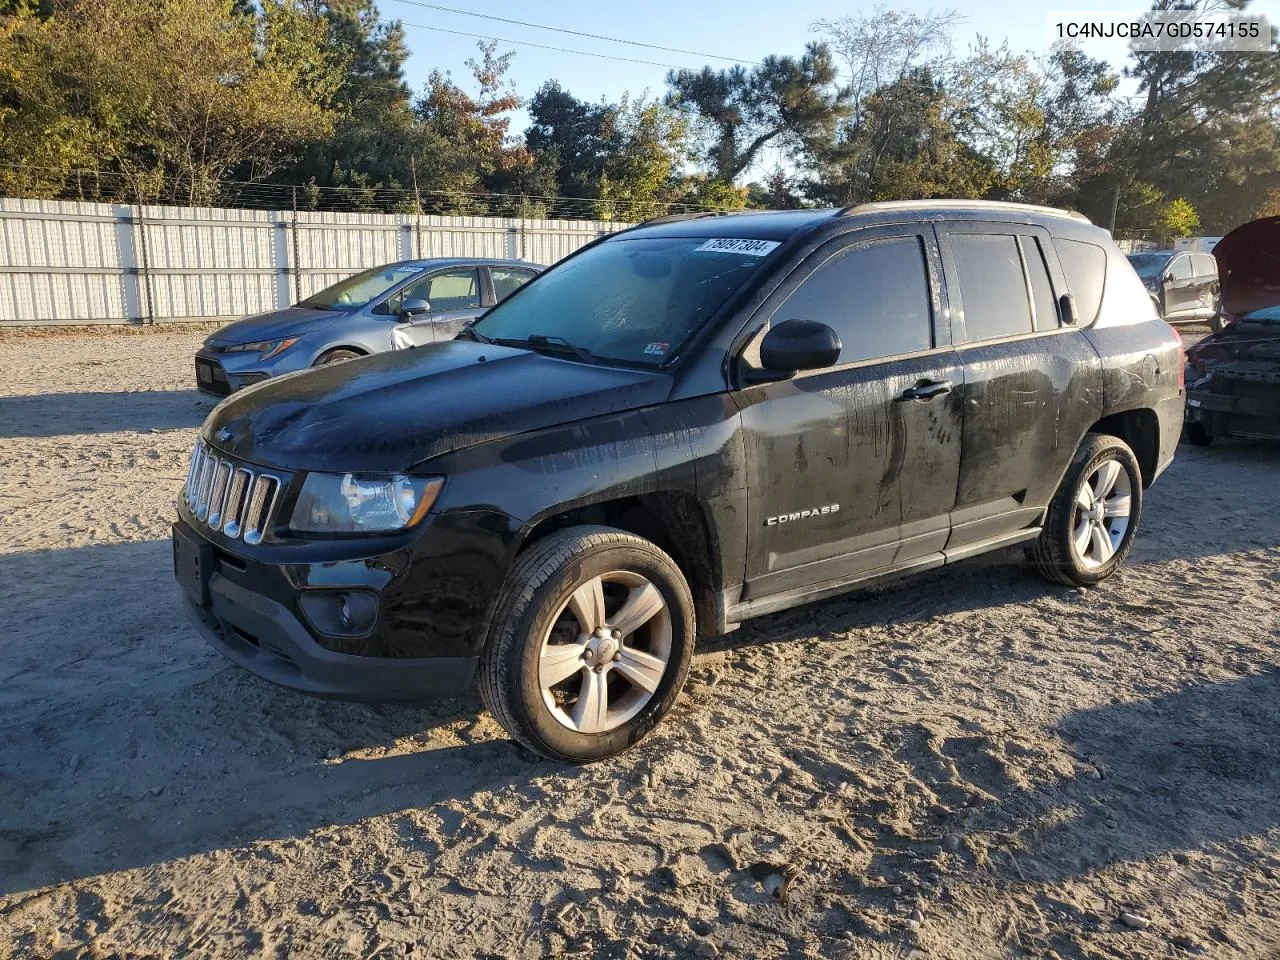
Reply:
x=1093, y=518
x=1197, y=434
x=337, y=356
x=590, y=645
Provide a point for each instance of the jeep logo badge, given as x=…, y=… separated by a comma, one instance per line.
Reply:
x=802, y=514
x=223, y=435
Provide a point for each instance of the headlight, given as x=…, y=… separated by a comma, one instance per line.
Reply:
x=266, y=349
x=350, y=503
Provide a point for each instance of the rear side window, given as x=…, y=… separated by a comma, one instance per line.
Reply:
x=1042, y=298
x=875, y=295
x=507, y=280
x=992, y=288
x=1205, y=265
x=1085, y=265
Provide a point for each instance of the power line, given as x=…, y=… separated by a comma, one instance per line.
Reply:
x=575, y=33
x=530, y=43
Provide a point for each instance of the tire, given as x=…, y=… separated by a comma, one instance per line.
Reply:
x=337, y=356
x=1197, y=434
x=1057, y=554
x=543, y=606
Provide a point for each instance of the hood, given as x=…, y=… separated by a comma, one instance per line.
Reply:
x=1249, y=266
x=390, y=411
x=291, y=322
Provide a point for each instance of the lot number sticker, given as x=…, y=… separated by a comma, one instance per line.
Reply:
x=748, y=248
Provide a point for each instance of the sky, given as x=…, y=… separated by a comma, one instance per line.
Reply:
x=741, y=30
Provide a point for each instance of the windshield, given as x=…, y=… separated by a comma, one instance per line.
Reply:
x=634, y=301
x=354, y=292
x=1148, y=264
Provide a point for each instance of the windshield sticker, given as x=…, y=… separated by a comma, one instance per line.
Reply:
x=748, y=248
x=657, y=349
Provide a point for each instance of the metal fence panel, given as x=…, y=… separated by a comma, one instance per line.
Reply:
x=68, y=262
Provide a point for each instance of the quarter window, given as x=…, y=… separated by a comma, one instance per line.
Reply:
x=874, y=295
x=1042, y=299
x=992, y=287
x=1085, y=265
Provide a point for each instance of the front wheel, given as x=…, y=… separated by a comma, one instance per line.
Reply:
x=339, y=355
x=1092, y=519
x=590, y=645
x=1197, y=434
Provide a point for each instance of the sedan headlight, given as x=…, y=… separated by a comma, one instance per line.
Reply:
x=266, y=349
x=351, y=503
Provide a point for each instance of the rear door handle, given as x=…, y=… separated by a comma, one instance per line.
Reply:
x=927, y=390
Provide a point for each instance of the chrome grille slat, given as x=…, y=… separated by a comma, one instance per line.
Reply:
x=236, y=493
x=218, y=494
x=230, y=497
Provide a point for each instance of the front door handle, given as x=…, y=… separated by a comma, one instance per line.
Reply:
x=927, y=390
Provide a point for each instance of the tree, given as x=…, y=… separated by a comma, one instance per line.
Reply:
x=172, y=95
x=1177, y=218
x=791, y=102
x=1206, y=123
x=372, y=140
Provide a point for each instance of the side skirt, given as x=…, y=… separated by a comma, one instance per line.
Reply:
x=811, y=593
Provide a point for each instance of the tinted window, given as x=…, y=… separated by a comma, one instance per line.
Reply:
x=875, y=295
x=1085, y=265
x=1042, y=298
x=507, y=281
x=1180, y=268
x=992, y=287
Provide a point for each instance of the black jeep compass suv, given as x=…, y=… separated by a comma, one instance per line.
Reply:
x=699, y=420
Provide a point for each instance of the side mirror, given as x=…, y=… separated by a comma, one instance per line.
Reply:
x=1067, y=307
x=795, y=345
x=414, y=308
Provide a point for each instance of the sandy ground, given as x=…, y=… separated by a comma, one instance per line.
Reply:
x=968, y=764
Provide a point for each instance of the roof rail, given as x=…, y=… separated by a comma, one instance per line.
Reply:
x=884, y=205
x=673, y=217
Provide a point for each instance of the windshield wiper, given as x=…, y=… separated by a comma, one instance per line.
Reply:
x=471, y=334
x=559, y=344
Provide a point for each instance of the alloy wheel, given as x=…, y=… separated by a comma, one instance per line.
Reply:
x=1101, y=516
x=606, y=652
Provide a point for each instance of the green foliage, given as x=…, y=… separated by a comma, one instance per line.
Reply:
x=174, y=95
x=174, y=99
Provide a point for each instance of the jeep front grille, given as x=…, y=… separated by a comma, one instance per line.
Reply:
x=233, y=498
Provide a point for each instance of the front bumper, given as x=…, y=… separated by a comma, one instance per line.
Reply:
x=1230, y=415
x=265, y=636
x=216, y=380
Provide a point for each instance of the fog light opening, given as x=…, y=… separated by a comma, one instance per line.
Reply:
x=358, y=611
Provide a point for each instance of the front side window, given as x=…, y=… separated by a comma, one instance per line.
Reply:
x=992, y=288
x=354, y=292
x=874, y=295
x=450, y=290
x=1180, y=269
x=507, y=280
x=631, y=300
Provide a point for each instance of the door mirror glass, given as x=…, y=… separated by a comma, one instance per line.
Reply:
x=414, y=307
x=795, y=345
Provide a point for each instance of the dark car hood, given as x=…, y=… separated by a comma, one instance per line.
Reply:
x=291, y=322
x=1249, y=266
x=390, y=411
